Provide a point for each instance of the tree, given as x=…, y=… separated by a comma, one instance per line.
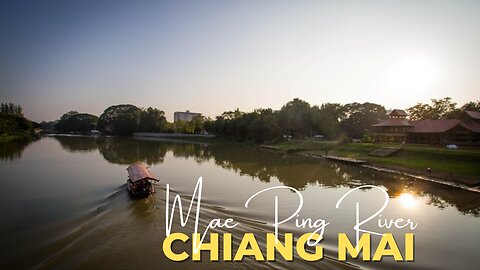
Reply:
x=439, y=109
x=11, y=109
x=444, y=109
x=76, y=122
x=121, y=119
x=296, y=118
x=326, y=119
x=180, y=126
x=198, y=123
x=152, y=120
x=265, y=125
x=471, y=106
x=169, y=127
x=226, y=124
x=209, y=125
x=13, y=126
x=48, y=126
x=360, y=117
x=419, y=111
x=67, y=115
x=259, y=126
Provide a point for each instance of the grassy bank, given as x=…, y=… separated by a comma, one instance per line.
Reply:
x=462, y=165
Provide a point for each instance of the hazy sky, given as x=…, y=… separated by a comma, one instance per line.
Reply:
x=213, y=56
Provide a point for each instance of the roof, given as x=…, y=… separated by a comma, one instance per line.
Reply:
x=398, y=112
x=474, y=127
x=139, y=171
x=433, y=126
x=394, y=122
x=186, y=112
x=474, y=115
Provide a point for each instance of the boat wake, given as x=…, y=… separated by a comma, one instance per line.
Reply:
x=130, y=233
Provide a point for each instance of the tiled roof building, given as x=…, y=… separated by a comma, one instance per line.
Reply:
x=397, y=128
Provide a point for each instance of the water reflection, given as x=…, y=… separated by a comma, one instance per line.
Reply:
x=77, y=143
x=125, y=151
x=74, y=204
x=13, y=150
x=292, y=170
x=408, y=200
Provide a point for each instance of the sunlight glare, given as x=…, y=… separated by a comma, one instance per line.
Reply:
x=407, y=200
x=411, y=75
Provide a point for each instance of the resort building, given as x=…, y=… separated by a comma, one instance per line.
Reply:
x=186, y=116
x=398, y=129
x=394, y=129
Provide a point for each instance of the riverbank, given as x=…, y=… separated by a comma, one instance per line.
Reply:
x=454, y=167
x=442, y=165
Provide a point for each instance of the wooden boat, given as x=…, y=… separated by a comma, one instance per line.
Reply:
x=140, y=180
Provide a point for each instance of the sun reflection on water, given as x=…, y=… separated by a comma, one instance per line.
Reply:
x=407, y=200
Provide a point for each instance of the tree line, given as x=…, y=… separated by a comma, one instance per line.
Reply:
x=299, y=119
x=296, y=119
x=11, y=109
x=124, y=119
x=13, y=126
x=441, y=109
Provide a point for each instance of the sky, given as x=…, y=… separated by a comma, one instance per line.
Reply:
x=214, y=56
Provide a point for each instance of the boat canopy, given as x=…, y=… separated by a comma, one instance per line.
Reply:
x=138, y=171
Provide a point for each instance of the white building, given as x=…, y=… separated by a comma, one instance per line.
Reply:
x=186, y=116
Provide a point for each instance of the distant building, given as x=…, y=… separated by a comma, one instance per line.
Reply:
x=186, y=116
x=397, y=128
x=394, y=129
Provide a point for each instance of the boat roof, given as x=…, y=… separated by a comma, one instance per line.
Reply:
x=138, y=171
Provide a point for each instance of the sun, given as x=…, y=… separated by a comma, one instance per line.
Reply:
x=412, y=75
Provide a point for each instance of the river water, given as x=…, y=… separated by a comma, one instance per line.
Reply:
x=64, y=205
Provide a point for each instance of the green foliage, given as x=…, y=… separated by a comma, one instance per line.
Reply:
x=125, y=119
x=67, y=115
x=298, y=119
x=152, y=120
x=76, y=122
x=259, y=125
x=360, y=118
x=471, y=106
x=11, y=109
x=439, y=109
x=14, y=127
x=326, y=119
x=121, y=119
x=367, y=138
x=180, y=126
x=461, y=162
x=169, y=128
x=47, y=126
x=197, y=124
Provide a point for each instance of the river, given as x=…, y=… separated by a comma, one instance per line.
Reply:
x=64, y=205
